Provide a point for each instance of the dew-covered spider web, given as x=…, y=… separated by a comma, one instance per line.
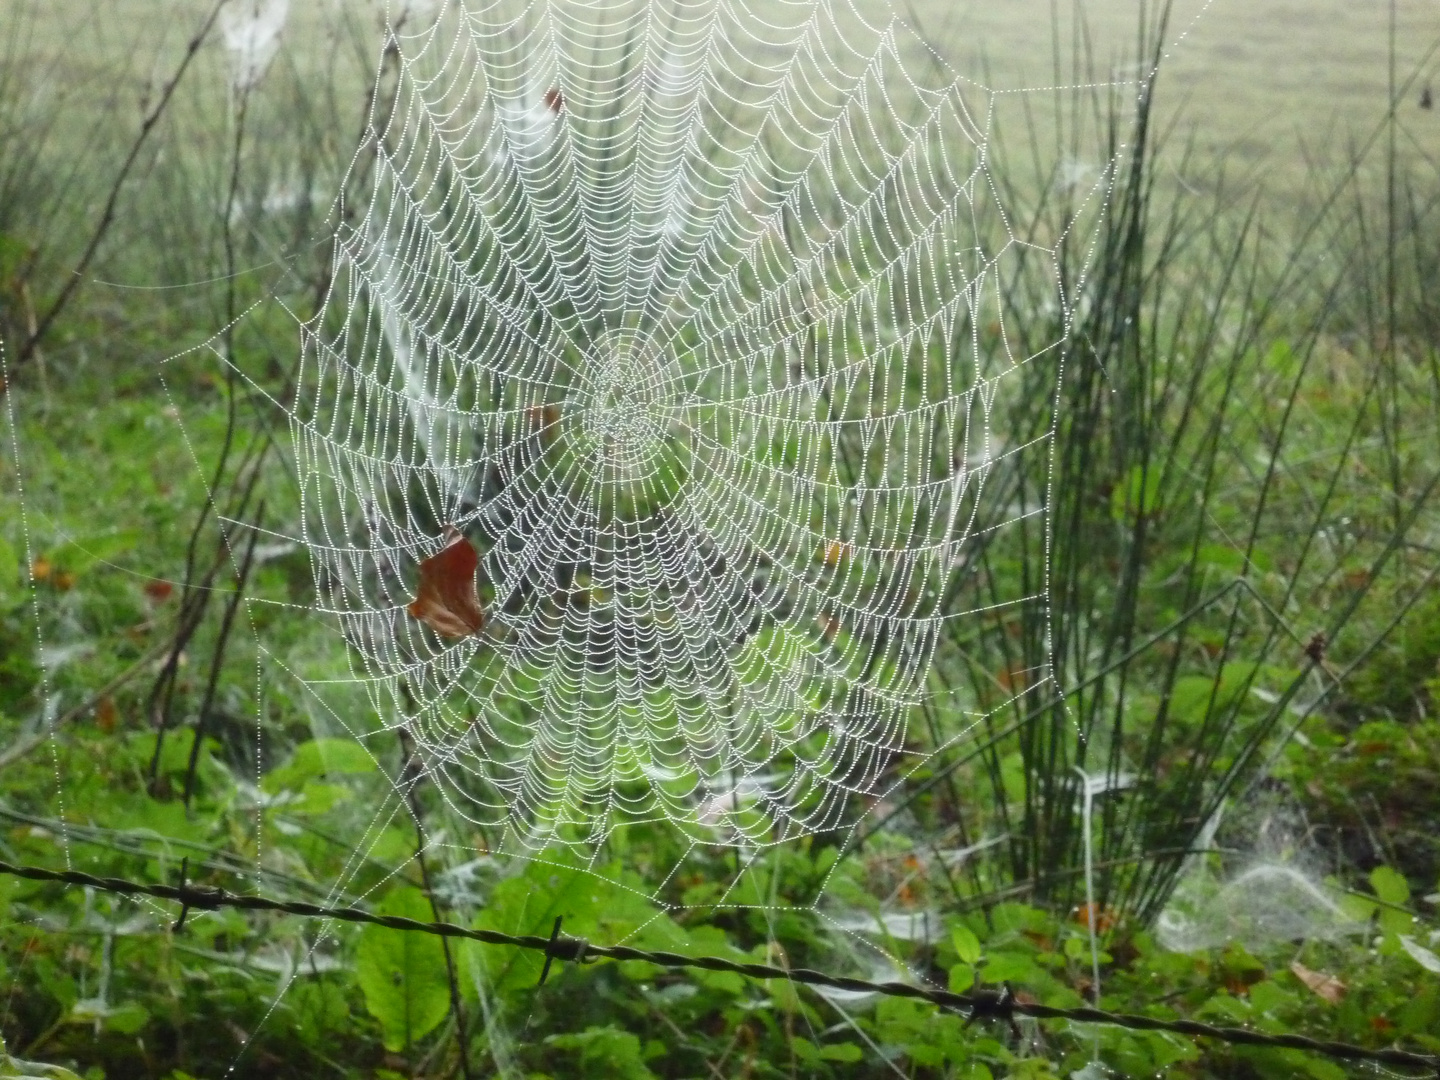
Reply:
x=673, y=313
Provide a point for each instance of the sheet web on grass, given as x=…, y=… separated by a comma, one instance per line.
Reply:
x=671, y=312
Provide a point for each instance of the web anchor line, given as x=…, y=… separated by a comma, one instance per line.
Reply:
x=1002, y=1005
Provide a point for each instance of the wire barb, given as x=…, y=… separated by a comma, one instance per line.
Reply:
x=975, y=1003
x=550, y=949
x=184, y=906
x=1001, y=1007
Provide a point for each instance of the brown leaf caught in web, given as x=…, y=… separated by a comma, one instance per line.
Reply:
x=447, y=600
x=1325, y=985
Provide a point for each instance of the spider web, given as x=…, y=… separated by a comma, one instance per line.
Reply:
x=673, y=312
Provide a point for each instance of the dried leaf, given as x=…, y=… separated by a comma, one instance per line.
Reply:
x=447, y=601
x=159, y=590
x=106, y=714
x=835, y=551
x=40, y=569
x=1105, y=918
x=1014, y=678
x=1324, y=984
x=554, y=100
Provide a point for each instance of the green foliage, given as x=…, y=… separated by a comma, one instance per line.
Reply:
x=403, y=975
x=608, y=1052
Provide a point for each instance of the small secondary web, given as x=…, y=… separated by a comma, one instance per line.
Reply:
x=672, y=312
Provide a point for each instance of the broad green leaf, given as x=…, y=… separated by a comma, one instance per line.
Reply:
x=804, y=1050
x=1195, y=697
x=1324, y=1069
x=1007, y=966
x=967, y=945
x=402, y=975
x=1010, y=917
x=962, y=978
x=785, y=995
x=1395, y=921
x=1012, y=776
x=1421, y=1013
x=319, y=758
x=844, y=1051
x=1389, y=885
x=928, y=1037
x=317, y=798
x=605, y=1052
x=1267, y=995
x=128, y=1018
x=599, y=906
x=1356, y=907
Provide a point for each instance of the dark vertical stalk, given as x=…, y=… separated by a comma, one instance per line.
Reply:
x=195, y=601
x=411, y=772
x=217, y=659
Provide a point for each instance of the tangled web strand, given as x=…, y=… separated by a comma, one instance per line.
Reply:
x=671, y=310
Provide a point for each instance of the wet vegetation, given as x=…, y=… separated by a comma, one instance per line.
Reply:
x=1207, y=771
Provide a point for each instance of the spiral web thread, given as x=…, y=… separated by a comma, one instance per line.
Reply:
x=673, y=310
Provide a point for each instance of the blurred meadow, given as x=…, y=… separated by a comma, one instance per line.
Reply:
x=1220, y=802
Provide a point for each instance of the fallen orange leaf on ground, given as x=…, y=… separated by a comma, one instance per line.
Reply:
x=1104, y=918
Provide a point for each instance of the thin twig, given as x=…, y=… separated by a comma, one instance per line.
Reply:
x=112, y=201
x=195, y=598
x=242, y=577
x=409, y=779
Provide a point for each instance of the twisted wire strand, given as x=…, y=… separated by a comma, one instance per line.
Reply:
x=974, y=1004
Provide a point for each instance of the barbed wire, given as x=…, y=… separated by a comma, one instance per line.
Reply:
x=974, y=1004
